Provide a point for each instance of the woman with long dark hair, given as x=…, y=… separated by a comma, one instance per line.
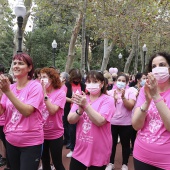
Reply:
x=73, y=85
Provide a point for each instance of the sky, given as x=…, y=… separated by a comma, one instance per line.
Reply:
x=12, y=4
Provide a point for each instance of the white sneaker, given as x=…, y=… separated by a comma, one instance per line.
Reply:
x=110, y=166
x=124, y=167
x=118, y=139
x=69, y=155
x=52, y=167
x=40, y=168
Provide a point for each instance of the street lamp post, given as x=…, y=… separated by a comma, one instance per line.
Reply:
x=20, y=11
x=120, y=57
x=54, y=46
x=144, y=48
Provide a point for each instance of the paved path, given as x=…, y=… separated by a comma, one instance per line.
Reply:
x=118, y=159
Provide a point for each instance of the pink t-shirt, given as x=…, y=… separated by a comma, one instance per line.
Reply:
x=122, y=115
x=53, y=126
x=76, y=88
x=2, y=117
x=152, y=144
x=63, y=87
x=19, y=130
x=2, y=120
x=93, y=143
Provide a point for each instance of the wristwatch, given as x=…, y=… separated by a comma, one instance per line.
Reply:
x=45, y=98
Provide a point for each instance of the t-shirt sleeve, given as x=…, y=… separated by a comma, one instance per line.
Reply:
x=131, y=94
x=3, y=101
x=111, y=92
x=35, y=95
x=60, y=99
x=141, y=98
x=107, y=108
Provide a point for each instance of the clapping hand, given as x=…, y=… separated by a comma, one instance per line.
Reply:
x=4, y=84
x=150, y=88
x=123, y=93
x=80, y=99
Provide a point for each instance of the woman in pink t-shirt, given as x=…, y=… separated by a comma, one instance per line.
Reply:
x=121, y=121
x=151, y=117
x=92, y=113
x=23, y=127
x=52, y=112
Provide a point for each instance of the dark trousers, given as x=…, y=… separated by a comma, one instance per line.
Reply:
x=133, y=137
x=66, y=130
x=24, y=158
x=76, y=165
x=2, y=137
x=124, y=132
x=72, y=133
x=55, y=148
x=143, y=166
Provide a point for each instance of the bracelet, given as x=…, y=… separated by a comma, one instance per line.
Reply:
x=158, y=100
x=142, y=110
x=77, y=111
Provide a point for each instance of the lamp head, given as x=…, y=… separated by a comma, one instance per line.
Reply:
x=20, y=9
x=120, y=56
x=144, y=48
x=54, y=44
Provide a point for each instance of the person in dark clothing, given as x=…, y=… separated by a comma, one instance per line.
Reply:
x=74, y=85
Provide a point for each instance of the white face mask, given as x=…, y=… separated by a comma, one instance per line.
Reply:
x=120, y=85
x=46, y=82
x=142, y=83
x=93, y=88
x=161, y=74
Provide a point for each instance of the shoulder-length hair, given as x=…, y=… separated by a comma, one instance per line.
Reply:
x=74, y=74
x=28, y=60
x=97, y=75
x=53, y=75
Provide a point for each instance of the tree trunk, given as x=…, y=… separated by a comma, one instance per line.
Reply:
x=107, y=51
x=132, y=53
x=136, y=54
x=73, y=39
x=83, y=60
x=141, y=57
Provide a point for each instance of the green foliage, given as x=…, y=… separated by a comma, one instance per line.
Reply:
x=119, y=21
x=6, y=36
x=38, y=44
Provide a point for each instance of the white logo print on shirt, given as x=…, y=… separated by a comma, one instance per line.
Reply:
x=15, y=117
x=153, y=129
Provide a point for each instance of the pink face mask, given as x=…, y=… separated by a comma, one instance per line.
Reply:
x=161, y=74
x=93, y=88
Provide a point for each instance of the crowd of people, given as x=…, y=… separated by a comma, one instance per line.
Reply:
x=44, y=109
